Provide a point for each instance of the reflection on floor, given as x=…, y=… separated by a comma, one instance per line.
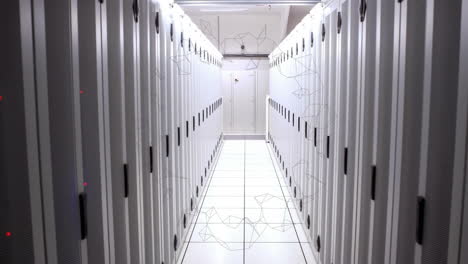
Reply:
x=246, y=215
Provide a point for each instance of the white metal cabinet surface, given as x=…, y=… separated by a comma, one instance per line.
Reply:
x=104, y=83
x=382, y=143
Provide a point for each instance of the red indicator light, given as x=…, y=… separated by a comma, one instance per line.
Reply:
x=81, y=92
x=1, y=98
x=85, y=184
x=8, y=234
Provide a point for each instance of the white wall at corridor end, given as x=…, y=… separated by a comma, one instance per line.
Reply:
x=244, y=109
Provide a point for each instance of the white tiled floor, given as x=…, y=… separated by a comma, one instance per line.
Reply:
x=246, y=215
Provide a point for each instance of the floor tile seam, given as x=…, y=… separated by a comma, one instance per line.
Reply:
x=244, y=215
x=279, y=181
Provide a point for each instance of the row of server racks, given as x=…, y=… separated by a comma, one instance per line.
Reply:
x=111, y=119
x=368, y=121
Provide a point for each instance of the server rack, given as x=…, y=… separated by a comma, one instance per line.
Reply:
x=381, y=144
x=458, y=238
x=90, y=93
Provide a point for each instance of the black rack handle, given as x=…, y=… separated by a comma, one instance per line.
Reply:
x=363, y=10
x=125, y=168
x=135, y=10
x=324, y=32
x=421, y=207
x=339, y=22
x=156, y=22
x=83, y=215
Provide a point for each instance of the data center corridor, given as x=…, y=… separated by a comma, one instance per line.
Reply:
x=234, y=132
x=247, y=214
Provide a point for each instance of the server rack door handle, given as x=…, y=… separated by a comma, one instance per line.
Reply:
x=186, y=129
x=101, y=1
x=83, y=215
x=136, y=10
x=421, y=207
x=328, y=147
x=305, y=129
x=171, y=31
x=182, y=39
x=298, y=124
x=373, y=182
x=346, y=161
x=339, y=22
x=176, y=243
x=323, y=32
x=151, y=158
x=311, y=39
x=156, y=22
x=178, y=136
x=125, y=168
x=363, y=9
x=315, y=137
x=167, y=145
x=318, y=243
